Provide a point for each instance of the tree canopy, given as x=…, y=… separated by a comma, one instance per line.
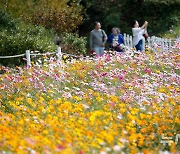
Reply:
x=161, y=14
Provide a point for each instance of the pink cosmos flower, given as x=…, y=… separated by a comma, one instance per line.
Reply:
x=112, y=104
x=147, y=70
x=120, y=77
x=2, y=86
x=108, y=58
x=30, y=141
x=60, y=147
x=81, y=152
x=103, y=74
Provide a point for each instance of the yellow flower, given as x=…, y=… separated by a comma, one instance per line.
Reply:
x=29, y=100
x=77, y=98
x=134, y=111
x=59, y=101
x=68, y=151
x=17, y=103
x=126, y=85
x=41, y=99
x=157, y=71
x=99, y=140
x=142, y=115
x=132, y=137
x=98, y=99
x=131, y=117
x=45, y=132
x=122, y=110
x=19, y=98
x=114, y=98
x=130, y=88
x=92, y=118
x=161, y=90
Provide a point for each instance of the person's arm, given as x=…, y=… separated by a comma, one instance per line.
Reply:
x=144, y=25
x=91, y=41
x=145, y=29
x=105, y=37
x=122, y=39
x=110, y=38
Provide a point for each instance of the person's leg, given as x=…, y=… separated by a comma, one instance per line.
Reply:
x=139, y=46
x=101, y=50
x=97, y=51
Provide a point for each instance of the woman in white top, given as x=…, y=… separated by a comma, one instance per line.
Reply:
x=138, y=34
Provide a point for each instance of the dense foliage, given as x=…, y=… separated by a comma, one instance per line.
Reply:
x=161, y=14
x=17, y=37
x=60, y=15
x=7, y=22
x=74, y=44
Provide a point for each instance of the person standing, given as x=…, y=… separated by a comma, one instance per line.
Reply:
x=116, y=39
x=98, y=39
x=138, y=34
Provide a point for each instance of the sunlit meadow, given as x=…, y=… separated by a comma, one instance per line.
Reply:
x=117, y=103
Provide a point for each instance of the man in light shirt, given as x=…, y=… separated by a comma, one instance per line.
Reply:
x=138, y=34
x=98, y=39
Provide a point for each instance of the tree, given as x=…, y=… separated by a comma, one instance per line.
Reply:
x=60, y=15
x=121, y=13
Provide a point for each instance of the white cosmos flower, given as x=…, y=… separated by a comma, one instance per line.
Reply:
x=116, y=148
x=108, y=149
x=103, y=152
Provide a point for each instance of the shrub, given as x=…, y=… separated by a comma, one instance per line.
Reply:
x=62, y=21
x=173, y=32
x=6, y=21
x=60, y=15
x=74, y=44
x=23, y=38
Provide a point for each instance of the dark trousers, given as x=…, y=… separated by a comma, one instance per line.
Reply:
x=139, y=46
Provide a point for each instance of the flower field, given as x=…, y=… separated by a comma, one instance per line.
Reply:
x=114, y=104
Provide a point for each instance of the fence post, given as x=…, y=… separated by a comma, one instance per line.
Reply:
x=128, y=41
x=162, y=45
x=131, y=45
x=166, y=43
x=149, y=42
x=28, y=57
x=170, y=45
x=153, y=40
x=59, y=54
x=125, y=39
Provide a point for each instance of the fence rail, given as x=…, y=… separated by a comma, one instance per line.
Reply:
x=4, y=57
x=28, y=55
x=163, y=43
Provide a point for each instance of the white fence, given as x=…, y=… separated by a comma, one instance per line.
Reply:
x=28, y=55
x=153, y=41
x=162, y=43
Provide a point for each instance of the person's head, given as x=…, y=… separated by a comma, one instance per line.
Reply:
x=97, y=25
x=115, y=31
x=135, y=24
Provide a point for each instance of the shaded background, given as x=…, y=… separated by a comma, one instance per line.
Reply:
x=40, y=24
x=161, y=14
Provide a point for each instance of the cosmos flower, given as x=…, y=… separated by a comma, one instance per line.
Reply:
x=120, y=103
